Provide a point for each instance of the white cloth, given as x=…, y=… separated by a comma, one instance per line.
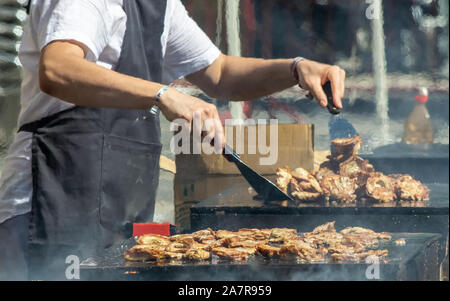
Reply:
x=100, y=25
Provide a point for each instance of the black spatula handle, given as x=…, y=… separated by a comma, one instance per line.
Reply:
x=331, y=108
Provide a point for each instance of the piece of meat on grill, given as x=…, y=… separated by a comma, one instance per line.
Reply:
x=356, y=168
x=409, y=189
x=268, y=251
x=143, y=253
x=357, y=257
x=380, y=188
x=180, y=246
x=231, y=254
x=366, y=232
x=283, y=178
x=196, y=255
x=340, y=189
x=255, y=234
x=344, y=148
x=279, y=235
x=171, y=256
x=303, y=251
x=220, y=234
x=234, y=242
x=153, y=239
x=180, y=237
x=327, y=227
x=327, y=168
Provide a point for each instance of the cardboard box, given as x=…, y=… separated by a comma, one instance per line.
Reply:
x=295, y=148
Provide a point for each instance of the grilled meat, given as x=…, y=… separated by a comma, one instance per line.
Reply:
x=328, y=227
x=283, y=178
x=268, y=251
x=357, y=257
x=344, y=148
x=356, y=168
x=409, y=189
x=196, y=255
x=143, y=253
x=153, y=239
x=302, y=250
x=340, y=189
x=233, y=254
x=279, y=235
x=351, y=244
x=365, y=232
x=327, y=168
x=380, y=188
x=224, y=234
x=346, y=178
x=301, y=185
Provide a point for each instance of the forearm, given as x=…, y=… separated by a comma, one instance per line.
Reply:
x=73, y=79
x=249, y=78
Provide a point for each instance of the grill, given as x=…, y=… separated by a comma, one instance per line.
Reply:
x=417, y=260
x=238, y=208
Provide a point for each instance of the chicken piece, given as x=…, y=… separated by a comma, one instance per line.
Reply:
x=233, y=254
x=400, y=242
x=268, y=251
x=302, y=250
x=153, y=239
x=344, y=148
x=303, y=196
x=279, y=235
x=242, y=242
x=180, y=246
x=196, y=255
x=171, y=256
x=409, y=189
x=366, y=232
x=306, y=181
x=204, y=236
x=143, y=253
x=380, y=188
x=283, y=178
x=340, y=189
x=356, y=168
x=225, y=234
x=327, y=168
x=297, y=191
x=205, y=239
x=357, y=257
x=328, y=227
x=180, y=237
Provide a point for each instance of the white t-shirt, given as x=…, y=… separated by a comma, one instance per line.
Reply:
x=100, y=25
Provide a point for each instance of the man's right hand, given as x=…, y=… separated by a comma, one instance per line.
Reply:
x=204, y=116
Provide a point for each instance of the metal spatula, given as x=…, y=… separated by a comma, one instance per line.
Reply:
x=338, y=126
x=265, y=188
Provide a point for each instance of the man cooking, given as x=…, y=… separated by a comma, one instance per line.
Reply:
x=85, y=161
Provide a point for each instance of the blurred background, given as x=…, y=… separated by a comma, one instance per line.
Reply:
x=387, y=56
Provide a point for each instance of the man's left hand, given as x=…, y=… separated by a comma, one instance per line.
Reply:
x=313, y=75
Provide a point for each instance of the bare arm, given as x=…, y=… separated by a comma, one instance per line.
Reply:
x=236, y=78
x=66, y=74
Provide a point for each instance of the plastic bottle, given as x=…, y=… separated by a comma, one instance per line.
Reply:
x=418, y=128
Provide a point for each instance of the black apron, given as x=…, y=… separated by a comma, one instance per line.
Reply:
x=95, y=171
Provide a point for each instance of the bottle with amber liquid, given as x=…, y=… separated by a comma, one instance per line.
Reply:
x=418, y=128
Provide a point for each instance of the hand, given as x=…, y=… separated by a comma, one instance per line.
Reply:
x=202, y=117
x=313, y=75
